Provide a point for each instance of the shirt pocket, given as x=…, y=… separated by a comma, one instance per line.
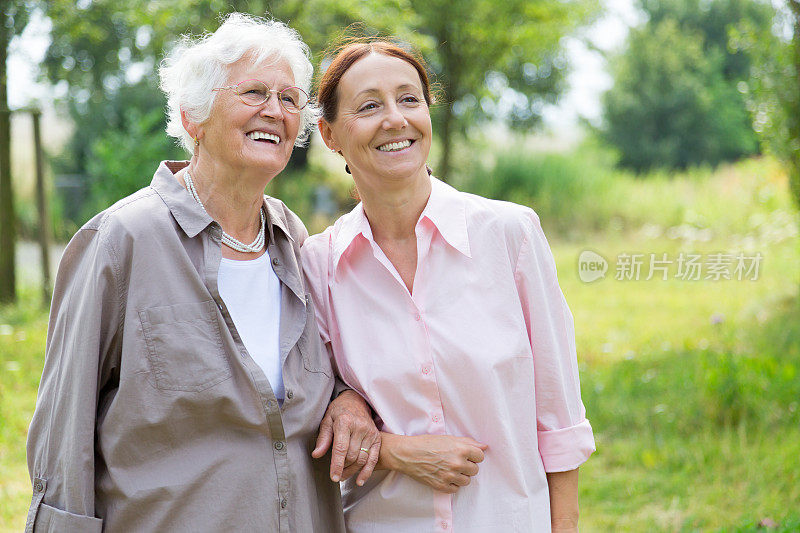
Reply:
x=184, y=346
x=315, y=356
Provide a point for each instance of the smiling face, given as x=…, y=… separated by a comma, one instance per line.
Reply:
x=383, y=125
x=251, y=139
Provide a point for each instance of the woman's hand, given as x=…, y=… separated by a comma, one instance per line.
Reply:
x=443, y=462
x=349, y=428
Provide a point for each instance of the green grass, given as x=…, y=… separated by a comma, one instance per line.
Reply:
x=692, y=387
x=22, y=334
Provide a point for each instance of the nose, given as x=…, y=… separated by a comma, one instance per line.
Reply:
x=271, y=108
x=394, y=118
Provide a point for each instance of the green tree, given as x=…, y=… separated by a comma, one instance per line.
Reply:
x=773, y=87
x=13, y=19
x=670, y=105
x=99, y=46
x=677, y=98
x=498, y=60
x=485, y=54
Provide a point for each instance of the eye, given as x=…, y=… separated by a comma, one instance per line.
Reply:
x=369, y=106
x=411, y=99
x=254, y=93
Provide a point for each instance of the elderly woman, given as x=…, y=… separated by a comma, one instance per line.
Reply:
x=444, y=311
x=184, y=380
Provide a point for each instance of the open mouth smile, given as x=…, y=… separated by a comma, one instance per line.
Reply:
x=395, y=146
x=263, y=136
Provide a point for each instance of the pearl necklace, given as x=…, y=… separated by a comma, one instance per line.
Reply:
x=254, y=247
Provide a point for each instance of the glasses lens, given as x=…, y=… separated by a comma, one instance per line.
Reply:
x=253, y=92
x=293, y=99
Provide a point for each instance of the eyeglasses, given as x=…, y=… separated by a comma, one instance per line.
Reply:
x=255, y=93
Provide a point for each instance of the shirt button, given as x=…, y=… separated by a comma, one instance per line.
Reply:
x=275, y=261
x=278, y=445
x=444, y=524
x=284, y=503
x=436, y=418
x=289, y=394
x=417, y=317
x=38, y=487
x=426, y=370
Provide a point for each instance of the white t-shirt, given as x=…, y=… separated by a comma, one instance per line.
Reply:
x=252, y=293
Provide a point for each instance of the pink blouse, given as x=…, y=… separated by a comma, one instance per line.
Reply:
x=483, y=348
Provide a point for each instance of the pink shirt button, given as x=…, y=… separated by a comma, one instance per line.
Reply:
x=436, y=418
x=444, y=524
x=426, y=369
x=417, y=317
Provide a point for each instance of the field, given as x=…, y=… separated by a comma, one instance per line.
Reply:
x=692, y=385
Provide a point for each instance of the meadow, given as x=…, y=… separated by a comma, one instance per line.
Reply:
x=692, y=385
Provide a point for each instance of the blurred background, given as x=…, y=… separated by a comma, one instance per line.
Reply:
x=659, y=141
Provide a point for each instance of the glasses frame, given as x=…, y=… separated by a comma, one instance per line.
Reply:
x=270, y=92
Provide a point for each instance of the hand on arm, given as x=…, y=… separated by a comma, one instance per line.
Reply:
x=563, y=488
x=443, y=462
x=349, y=428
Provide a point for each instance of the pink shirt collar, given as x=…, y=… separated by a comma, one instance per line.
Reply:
x=445, y=210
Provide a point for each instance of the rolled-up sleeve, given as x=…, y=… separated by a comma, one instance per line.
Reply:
x=564, y=434
x=82, y=336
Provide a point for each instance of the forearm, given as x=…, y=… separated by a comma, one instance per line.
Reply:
x=390, y=444
x=563, y=488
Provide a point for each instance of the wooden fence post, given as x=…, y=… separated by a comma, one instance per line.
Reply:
x=41, y=201
x=7, y=222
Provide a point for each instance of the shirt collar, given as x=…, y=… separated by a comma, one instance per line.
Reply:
x=445, y=209
x=351, y=225
x=191, y=217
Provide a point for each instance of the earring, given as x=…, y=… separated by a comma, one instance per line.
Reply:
x=347, y=169
x=196, y=141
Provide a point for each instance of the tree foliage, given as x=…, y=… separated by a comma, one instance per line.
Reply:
x=493, y=60
x=773, y=87
x=677, y=98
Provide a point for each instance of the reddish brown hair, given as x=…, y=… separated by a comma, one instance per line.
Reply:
x=347, y=55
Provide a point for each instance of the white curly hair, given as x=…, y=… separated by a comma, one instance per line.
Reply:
x=197, y=65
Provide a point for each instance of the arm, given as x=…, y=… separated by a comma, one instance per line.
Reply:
x=564, y=435
x=348, y=424
x=563, y=488
x=443, y=462
x=84, y=319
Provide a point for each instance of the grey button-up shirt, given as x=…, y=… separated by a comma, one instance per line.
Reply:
x=151, y=414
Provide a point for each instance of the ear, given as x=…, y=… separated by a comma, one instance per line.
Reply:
x=192, y=128
x=326, y=133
